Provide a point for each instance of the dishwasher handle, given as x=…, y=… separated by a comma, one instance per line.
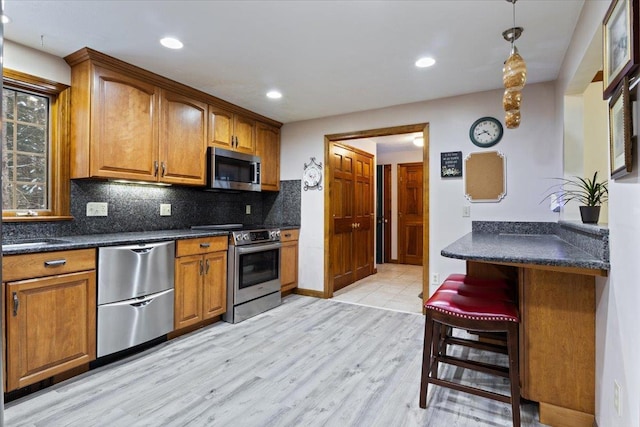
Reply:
x=140, y=301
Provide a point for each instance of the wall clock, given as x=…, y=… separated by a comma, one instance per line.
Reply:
x=312, y=177
x=486, y=132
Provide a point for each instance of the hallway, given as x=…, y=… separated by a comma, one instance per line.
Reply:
x=394, y=287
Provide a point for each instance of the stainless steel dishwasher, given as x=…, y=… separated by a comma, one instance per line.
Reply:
x=135, y=294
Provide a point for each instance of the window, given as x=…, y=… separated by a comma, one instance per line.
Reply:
x=25, y=168
x=35, y=165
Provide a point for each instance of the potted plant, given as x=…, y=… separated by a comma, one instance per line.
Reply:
x=590, y=193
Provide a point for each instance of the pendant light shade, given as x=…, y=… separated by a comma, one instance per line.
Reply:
x=511, y=100
x=512, y=119
x=514, y=72
x=514, y=75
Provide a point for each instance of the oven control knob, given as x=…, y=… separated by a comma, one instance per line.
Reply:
x=278, y=233
x=272, y=235
x=245, y=236
x=238, y=237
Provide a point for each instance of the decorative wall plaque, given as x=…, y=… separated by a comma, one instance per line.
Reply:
x=312, y=177
x=451, y=164
x=485, y=177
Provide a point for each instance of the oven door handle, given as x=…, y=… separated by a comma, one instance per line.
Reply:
x=257, y=248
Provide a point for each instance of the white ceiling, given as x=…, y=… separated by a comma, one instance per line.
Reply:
x=326, y=57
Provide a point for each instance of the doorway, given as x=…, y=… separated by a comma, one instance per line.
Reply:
x=333, y=246
x=410, y=207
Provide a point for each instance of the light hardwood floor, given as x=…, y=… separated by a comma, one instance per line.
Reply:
x=308, y=362
x=394, y=286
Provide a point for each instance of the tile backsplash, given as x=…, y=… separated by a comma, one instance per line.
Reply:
x=133, y=207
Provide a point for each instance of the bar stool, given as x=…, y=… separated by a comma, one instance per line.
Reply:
x=477, y=312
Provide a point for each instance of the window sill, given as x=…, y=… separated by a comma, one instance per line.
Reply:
x=42, y=218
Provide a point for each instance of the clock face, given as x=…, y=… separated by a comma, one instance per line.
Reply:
x=486, y=131
x=312, y=176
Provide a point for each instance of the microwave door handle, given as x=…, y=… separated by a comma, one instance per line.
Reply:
x=256, y=172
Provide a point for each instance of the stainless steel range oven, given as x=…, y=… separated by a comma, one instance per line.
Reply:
x=253, y=270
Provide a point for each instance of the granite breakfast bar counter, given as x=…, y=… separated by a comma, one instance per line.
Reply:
x=554, y=267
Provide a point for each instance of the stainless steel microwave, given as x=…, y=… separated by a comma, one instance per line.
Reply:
x=230, y=170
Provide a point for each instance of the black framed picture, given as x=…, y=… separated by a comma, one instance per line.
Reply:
x=620, y=37
x=620, y=131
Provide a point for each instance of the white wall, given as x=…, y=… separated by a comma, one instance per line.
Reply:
x=533, y=153
x=27, y=60
x=617, y=297
x=393, y=159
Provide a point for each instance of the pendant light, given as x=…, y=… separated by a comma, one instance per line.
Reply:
x=514, y=75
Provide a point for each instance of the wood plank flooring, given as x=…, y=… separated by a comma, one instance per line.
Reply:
x=309, y=362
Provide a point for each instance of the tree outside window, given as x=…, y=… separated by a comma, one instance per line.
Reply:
x=25, y=166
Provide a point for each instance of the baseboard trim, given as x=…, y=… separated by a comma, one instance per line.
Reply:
x=392, y=261
x=564, y=417
x=309, y=293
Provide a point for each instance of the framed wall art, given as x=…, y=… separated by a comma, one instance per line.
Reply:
x=620, y=37
x=620, y=131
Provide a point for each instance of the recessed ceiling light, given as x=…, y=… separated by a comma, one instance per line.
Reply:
x=425, y=62
x=5, y=19
x=274, y=94
x=171, y=43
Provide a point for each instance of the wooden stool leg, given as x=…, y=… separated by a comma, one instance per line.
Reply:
x=514, y=374
x=436, y=348
x=426, y=360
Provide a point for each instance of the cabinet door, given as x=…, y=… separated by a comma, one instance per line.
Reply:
x=51, y=326
x=188, y=281
x=214, y=287
x=220, y=128
x=268, y=148
x=289, y=265
x=124, y=127
x=244, y=130
x=183, y=139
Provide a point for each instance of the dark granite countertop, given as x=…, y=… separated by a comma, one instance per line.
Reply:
x=110, y=239
x=539, y=249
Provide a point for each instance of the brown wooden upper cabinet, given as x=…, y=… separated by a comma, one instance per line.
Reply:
x=129, y=123
x=126, y=128
x=268, y=148
x=231, y=131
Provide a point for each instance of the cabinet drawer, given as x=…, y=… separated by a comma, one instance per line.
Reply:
x=201, y=245
x=289, y=235
x=27, y=266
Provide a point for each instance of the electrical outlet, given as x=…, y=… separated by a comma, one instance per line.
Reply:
x=617, y=398
x=97, y=209
x=466, y=211
x=165, y=209
x=435, y=279
x=247, y=209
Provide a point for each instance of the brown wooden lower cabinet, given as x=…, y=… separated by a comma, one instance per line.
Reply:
x=51, y=326
x=557, y=338
x=200, y=280
x=289, y=260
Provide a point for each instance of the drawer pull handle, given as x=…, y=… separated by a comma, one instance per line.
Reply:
x=287, y=235
x=55, y=263
x=16, y=304
x=205, y=245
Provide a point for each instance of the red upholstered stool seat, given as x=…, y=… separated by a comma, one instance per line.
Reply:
x=458, y=304
x=475, y=281
x=476, y=291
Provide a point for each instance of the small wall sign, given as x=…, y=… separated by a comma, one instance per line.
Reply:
x=451, y=164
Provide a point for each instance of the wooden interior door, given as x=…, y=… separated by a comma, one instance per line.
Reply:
x=342, y=214
x=352, y=234
x=410, y=213
x=364, y=213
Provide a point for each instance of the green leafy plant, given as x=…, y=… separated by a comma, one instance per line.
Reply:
x=588, y=192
